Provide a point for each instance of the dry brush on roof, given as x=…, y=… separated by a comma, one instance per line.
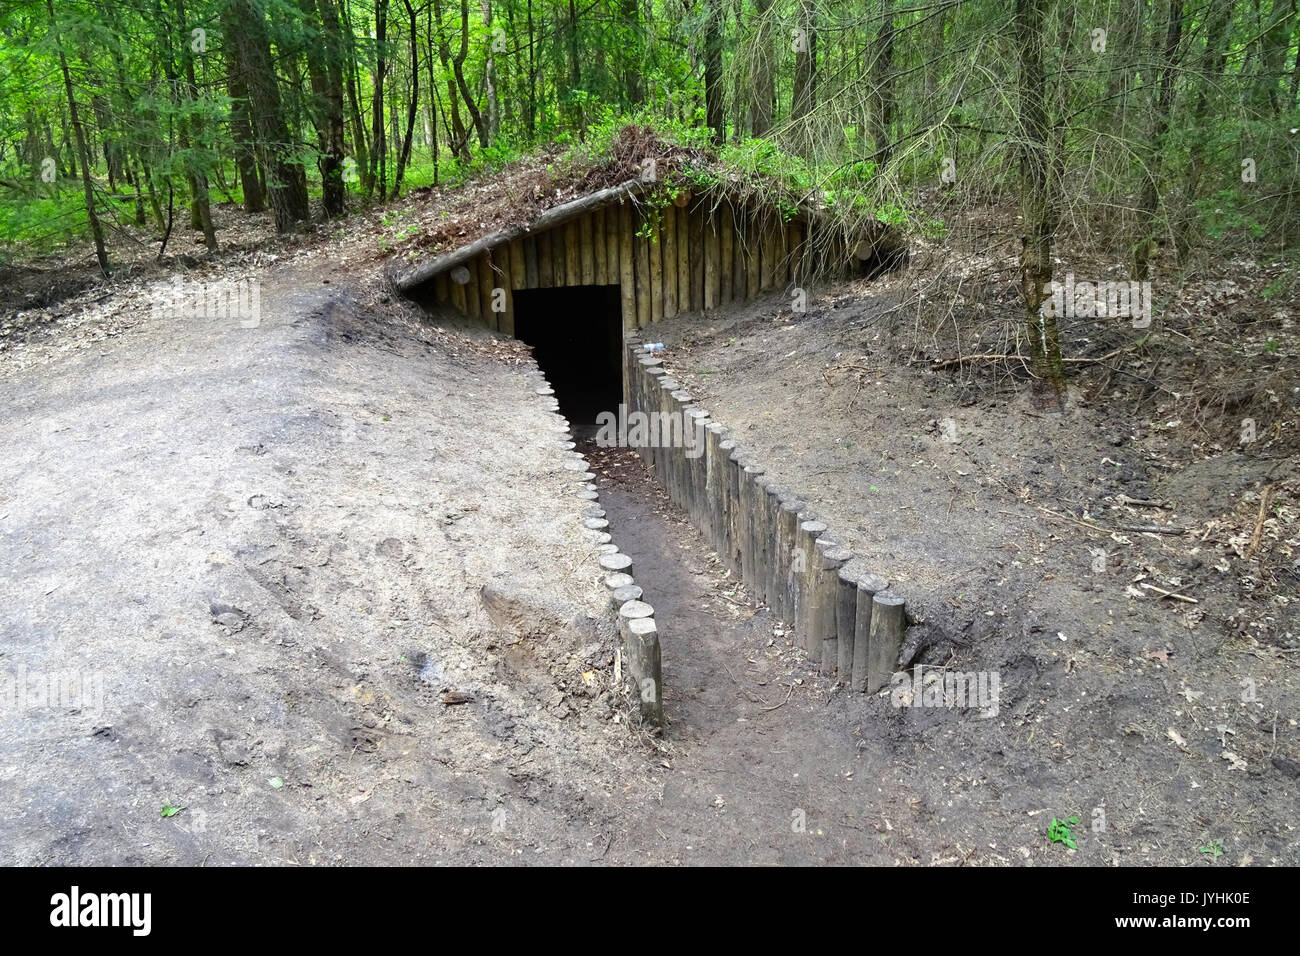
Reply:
x=544, y=191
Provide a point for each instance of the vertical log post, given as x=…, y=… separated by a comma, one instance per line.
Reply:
x=887, y=619
x=805, y=561
x=787, y=526
x=833, y=557
x=869, y=585
x=627, y=273
x=668, y=239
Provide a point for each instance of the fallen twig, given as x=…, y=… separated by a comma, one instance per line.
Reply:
x=1170, y=594
x=1265, y=499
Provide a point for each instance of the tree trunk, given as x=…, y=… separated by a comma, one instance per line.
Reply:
x=804, y=97
x=361, y=154
x=460, y=146
x=1213, y=60
x=763, y=92
x=1038, y=206
x=201, y=208
x=413, y=105
x=378, y=133
x=96, y=230
x=241, y=129
x=713, y=114
x=286, y=181
x=1149, y=203
x=882, y=83
x=490, y=77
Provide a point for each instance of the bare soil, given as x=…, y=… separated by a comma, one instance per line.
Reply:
x=330, y=573
x=1148, y=677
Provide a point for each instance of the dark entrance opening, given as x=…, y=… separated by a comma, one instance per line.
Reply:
x=576, y=333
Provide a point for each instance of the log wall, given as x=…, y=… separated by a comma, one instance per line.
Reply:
x=844, y=617
x=702, y=256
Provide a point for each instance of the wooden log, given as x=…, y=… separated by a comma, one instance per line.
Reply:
x=586, y=249
x=473, y=301
x=698, y=253
x=612, y=246
x=545, y=262
x=869, y=585
x=627, y=273
x=727, y=493
x=774, y=582
x=735, y=484
x=747, y=524
x=833, y=558
x=642, y=275
x=441, y=292
x=598, y=248
x=674, y=472
x=696, y=427
x=787, y=526
x=683, y=259
x=754, y=253
x=846, y=611
x=615, y=563
x=740, y=254
x=628, y=355
x=555, y=216
x=712, y=263
x=573, y=252
x=642, y=655
x=887, y=620
x=668, y=239
x=530, y=263
x=488, y=283
x=782, y=253
x=726, y=225
x=805, y=564
x=518, y=266
x=505, y=278
x=794, y=241
x=654, y=376
x=560, y=277
x=459, y=297
x=760, y=536
x=767, y=277
x=656, y=248
x=714, y=503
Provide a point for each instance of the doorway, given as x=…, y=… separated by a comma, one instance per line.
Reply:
x=576, y=333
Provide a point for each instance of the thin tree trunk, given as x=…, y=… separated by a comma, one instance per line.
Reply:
x=241, y=129
x=96, y=230
x=763, y=92
x=1149, y=203
x=714, y=118
x=415, y=99
x=804, y=96
x=882, y=82
x=378, y=133
x=490, y=76
x=286, y=180
x=201, y=207
x=1038, y=208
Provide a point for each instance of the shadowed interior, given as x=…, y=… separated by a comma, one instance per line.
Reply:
x=576, y=333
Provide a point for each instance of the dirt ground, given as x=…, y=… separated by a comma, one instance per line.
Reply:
x=289, y=554
x=270, y=546
x=1016, y=536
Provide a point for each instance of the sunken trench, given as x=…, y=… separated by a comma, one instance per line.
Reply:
x=582, y=285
